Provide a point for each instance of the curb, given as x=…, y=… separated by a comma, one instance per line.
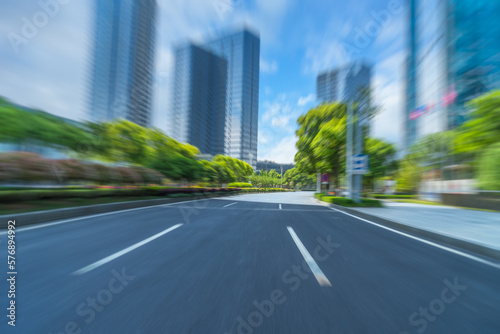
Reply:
x=36, y=217
x=425, y=234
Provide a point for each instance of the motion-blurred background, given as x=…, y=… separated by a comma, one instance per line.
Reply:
x=148, y=94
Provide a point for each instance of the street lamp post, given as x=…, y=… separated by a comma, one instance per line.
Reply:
x=348, y=154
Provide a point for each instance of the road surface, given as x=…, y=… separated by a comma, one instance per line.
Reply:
x=260, y=263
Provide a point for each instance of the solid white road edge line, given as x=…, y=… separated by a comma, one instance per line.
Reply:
x=225, y=206
x=469, y=256
x=123, y=252
x=37, y=226
x=318, y=273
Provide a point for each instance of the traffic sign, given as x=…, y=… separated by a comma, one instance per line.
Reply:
x=325, y=178
x=360, y=164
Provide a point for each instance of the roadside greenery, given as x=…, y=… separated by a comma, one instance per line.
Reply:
x=321, y=146
x=136, y=149
x=295, y=179
x=239, y=185
x=266, y=179
x=489, y=168
x=383, y=196
x=365, y=202
x=473, y=145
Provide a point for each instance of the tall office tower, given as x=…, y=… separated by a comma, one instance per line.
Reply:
x=410, y=126
x=454, y=56
x=241, y=50
x=123, y=60
x=198, y=112
x=346, y=84
x=343, y=84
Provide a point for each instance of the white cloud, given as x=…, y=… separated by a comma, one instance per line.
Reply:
x=268, y=67
x=282, y=152
x=277, y=114
x=303, y=100
x=281, y=121
x=264, y=137
x=327, y=54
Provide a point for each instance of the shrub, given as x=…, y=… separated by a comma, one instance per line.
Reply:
x=365, y=202
x=383, y=196
x=24, y=166
x=489, y=168
x=30, y=167
x=239, y=185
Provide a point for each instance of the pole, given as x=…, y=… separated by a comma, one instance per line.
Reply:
x=281, y=176
x=358, y=149
x=318, y=182
x=348, y=153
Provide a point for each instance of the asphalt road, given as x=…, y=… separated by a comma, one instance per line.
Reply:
x=238, y=265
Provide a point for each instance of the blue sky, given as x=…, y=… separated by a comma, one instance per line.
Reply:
x=49, y=69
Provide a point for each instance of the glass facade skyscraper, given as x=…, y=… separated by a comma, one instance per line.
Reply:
x=344, y=83
x=230, y=63
x=241, y=50
x=123, y=60
x=198, y=113
x=454, y=56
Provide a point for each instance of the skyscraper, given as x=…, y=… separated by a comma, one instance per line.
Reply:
x=195, y=66
x=347, y=83
x=123, y=60
x=198, y=112
x=241, y=50
x=454, y=56
x=343, y=84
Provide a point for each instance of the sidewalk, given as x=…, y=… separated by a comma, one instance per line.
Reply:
x=478, y=227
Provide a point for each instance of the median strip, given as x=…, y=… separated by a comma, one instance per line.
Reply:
x=317, y=272
x=123, y=252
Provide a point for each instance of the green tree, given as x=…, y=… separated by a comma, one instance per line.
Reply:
x=266, y=179
x=483, y=127
x=319, y=134
x=293, y=178
x=34, y=127
x=382, y=159
x=489, y=168
x=240, y=169
x=408, y=175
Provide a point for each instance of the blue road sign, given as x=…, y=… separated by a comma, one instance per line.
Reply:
x=360, y=164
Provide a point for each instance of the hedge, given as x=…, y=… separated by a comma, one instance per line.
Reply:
x=383, y=196
x=263, y=190
x=240, y=185
x=365, y=202
x=30, y=167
